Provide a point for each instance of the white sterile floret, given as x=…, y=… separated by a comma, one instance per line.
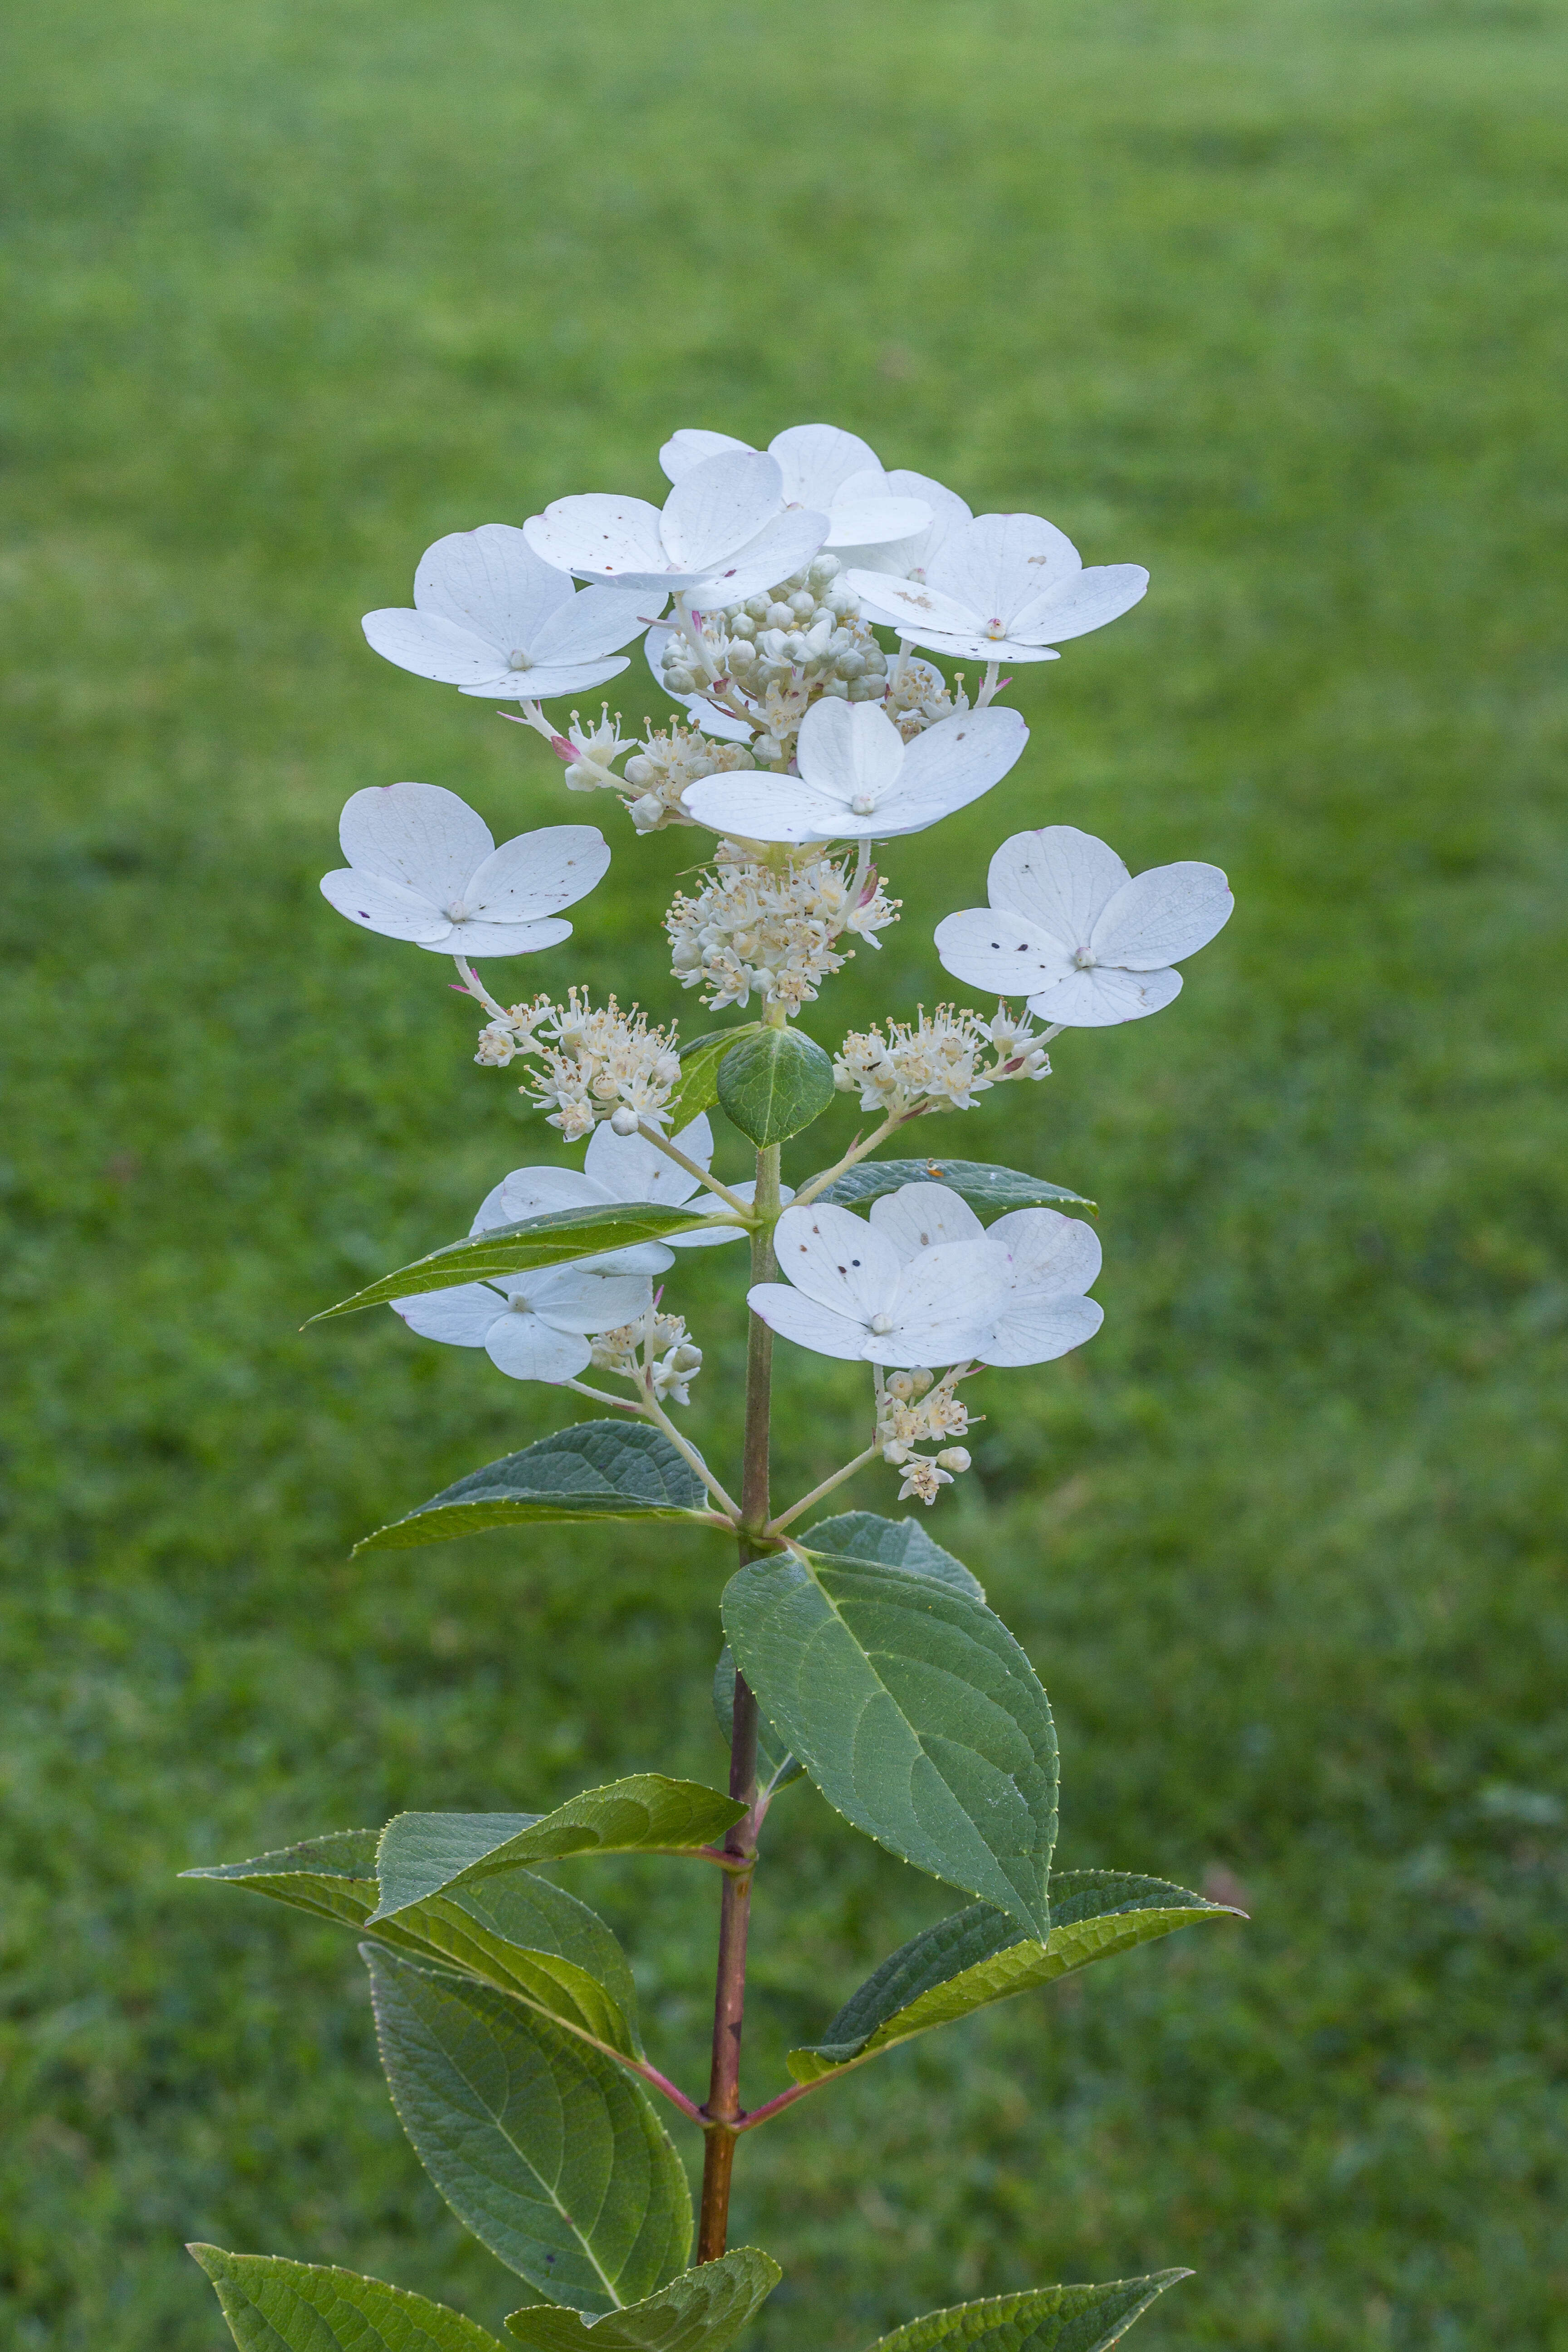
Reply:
x=423, y=866
x=910, y=558
x=849, y=1292
x=623, y=1168
x=1070, y=929
x=1002, y=588
x=1042, y=1263
x=534, y=1327
x=943, y=1059
x=824, y=467
x=494, y=619
x=859, y=780
x=771, y=926
x=722, y=532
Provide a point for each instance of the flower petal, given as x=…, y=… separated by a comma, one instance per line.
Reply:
x=690, y=446
x=718, y=507
x=543, y=680
x=1001, y=563
x=1046, y=1251
x=993, y=948
x=526, y=1348
x=918, y=1216
x=630, y=1168
x=795, y=1317
x=877, y=522
x=849, y=750
x=490, y=581
x=1086, y=602
x=951, y=763
x=816, y=460
x=389, y=908
x=459, y=1317
x=1162, y=916
x=535, y=874
x=599, y=534
x=911, y=606
x=903, y=557
x=1034, y=1330
x=763, y=807
x=472, y=938
x=1103, y=997
x=784, y=546
x=836, y=1259
x=1059, y=878
x=537, y=1192
x=947, y=1301
x=590, y=625
x=433, y=647
x=970, y=648
x=576, y=1299
x=418, y=834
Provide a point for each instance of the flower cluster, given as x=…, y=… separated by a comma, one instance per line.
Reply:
x=672, y=1361
x=765, y=660
x=940, y=1061
x=665, y=764
x=594, y=1064
x=772, y=924
x=910, y=1412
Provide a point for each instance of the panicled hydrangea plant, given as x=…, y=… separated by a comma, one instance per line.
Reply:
x=858, y=1652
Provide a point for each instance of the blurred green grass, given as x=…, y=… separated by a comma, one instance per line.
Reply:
x=1264, y=292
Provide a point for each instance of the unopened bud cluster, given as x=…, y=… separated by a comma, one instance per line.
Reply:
x=910, y=1412
x=941, y=1061
x=663, y=765
x=770, y=924
x=768, y=658
x=605, y=1065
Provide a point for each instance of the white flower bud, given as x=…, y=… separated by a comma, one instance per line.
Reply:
x=953, y=1458
x=647, y=813
x=824, y=569
x=743, y=626
x=757, y=607
x=641, y=772
x=623, y=1121
x=679, y=681
x=780, y=616
x=865, y=690
x=803, y=604
x=688, y=1358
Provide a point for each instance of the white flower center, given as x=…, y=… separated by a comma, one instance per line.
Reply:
x=1085, y=958
x=457, y=912
x=518, y=658
x=519, y=1307
x=996, y=628
x=863, y=805
x=881, y=1324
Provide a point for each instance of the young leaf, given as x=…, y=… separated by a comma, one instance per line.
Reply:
x=897, y=1543
x=273, y=2305
x=1045, y=2319
x=334, y=1876
x=914, y=1711
x=545, y=2151
x=774, y=1083
x=596, y=1469
x=775, y=1765
x=985, y=1187
x=561, y=1237
x=701, y=2311
x=980, y=1956
x=424, y=1854
x=698, y=1089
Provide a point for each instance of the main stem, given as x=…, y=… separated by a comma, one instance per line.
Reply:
x=723, y=2106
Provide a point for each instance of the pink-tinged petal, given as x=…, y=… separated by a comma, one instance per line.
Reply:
x=389, y=908
x=997, y=950
x=1046, y=1251
x=542, y=681
x=999, y=565
x=718, y=507
x=911, y=606
x=596, y=533
x=947, y=1300
x=1059, y=878
x=964, y=756
x=1086, y=602
x=630, y=1168
x=535, y=874
x=490, y=581
x=1162, y=915
x=849, y=750
x=784, y=546
x=795, y=1317
x=920, y=1216
x=526, y=1348
x=459, y=1317
x=836, y=1259
x=537, y=1192
x=590, y=625
x=767, y=808
x=817, y=460
x=583, y=1297
x=1103, y=997
x=432, y=648
x=690, y=446
x=1035, y=1330
x=877, y=522
x=473, y=939
x=418, y=834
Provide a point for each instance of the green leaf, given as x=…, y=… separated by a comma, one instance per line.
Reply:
x=544, y=2148
x=897, y=1543
x=424, y=1854
x=518, y=1933
x=776, y=1767
x=698, y=1089
x=596, y=1469
x=914, y=1711
x=559, y=1238
x=776, y=1083
x=980, y=1956
x=985, y=1187
x=273, y=2305
x=701, y=2311
x=1044, y=2319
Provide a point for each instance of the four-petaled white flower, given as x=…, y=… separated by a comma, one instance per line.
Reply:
x=724, y=534
x=1042, y=1261
x=1070, y=930
x=534, y=1327
x=621, y=1168
x=858, y=779
x=849, y=1292
x=494, y=619
x=912, y=558
x=1002, y=588
x=821, y=467
x=423, y=866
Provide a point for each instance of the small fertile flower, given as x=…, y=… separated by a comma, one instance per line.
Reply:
x=534, y=1327
x=824, y=467
x=722, y=534
x=1071, y=931
x=943, y=1060
x=423, y=866
x=773, y=927
x=621, y=1168
x=494, y=619
x=1042, y=1261
x=858, y=779
x=849, y=1293
x=598, y=1064
x=1002, y=588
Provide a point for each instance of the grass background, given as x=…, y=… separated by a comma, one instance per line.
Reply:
x=1264, y=292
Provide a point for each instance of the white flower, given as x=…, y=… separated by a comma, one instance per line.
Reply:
x=1068, y=929
x=824, y=467
x=722, y=534
x=772, y=927
x=423, y=866
x=620, y=1167
x=938, y=1059
x=912, y=558
x=850, y=1293
x=534, y=1327
x=597, y=1064
x=1002, y=588
x=1042, y=1261
x=859, y=778
x=495, y=619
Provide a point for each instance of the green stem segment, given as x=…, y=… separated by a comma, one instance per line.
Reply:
x=723, y=2111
